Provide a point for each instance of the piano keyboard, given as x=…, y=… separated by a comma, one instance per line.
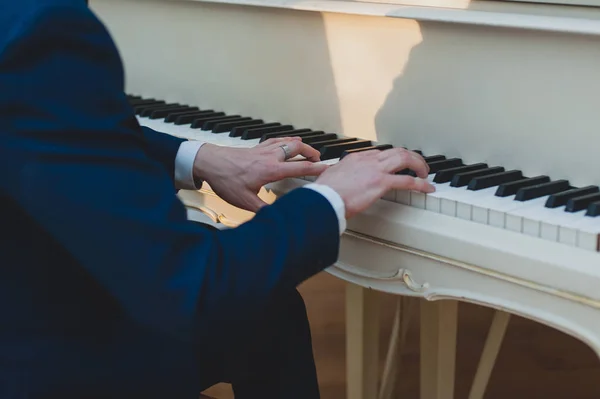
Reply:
x=537, y=206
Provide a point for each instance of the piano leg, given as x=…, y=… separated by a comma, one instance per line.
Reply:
x=405, y=308
x=489, y=354
x=362, y=342
x=438, y=348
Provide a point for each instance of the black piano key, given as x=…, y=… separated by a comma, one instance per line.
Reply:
x=320, y=137
x=331, y=151
x=133, y=97
x=381, y=147
x=511, y=188
x=198, y=123
x=480, y=183
x=190, y=118
x=223, y=127
x=560, y=199
x=147, y=111
x=210, y=124
x=284, y=133
x=406, y=172
x=435, y=167
x=144, y=101
x=463, y=179
x=446, y=175
x=172, y=117
x=582, y=202
x=434, y=158
x=256, y=133
x=593, y=209
x=320, y=144
x=162, y=113
x=412, y=172
x=138, y=109
x=239, y=131
x=541, y=190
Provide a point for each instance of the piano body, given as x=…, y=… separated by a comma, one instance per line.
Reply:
x=508, y=91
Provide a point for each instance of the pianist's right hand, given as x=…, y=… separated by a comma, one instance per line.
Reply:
x=364, y=177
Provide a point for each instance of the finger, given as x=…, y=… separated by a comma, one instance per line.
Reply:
x=394, y=160
x=361, y=154
x=403, y=182
x=252, y=202
x=297, y=147
x=277, y=140
x=301, y=168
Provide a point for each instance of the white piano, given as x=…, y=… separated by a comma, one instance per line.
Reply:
x=501, y=96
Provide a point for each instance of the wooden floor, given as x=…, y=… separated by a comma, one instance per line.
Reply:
x=534, y=361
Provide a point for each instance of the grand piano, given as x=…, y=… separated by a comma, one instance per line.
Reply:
x=501, y=97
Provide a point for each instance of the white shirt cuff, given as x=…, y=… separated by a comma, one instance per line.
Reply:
x=184, y=165
x=334, y=199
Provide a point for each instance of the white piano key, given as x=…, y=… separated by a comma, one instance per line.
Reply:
x=390, y=196
x=480, y=214
x=550, y=223
x=433, y=204
x=567, y=235
x=588, y=232
x=549, y=231
x=417, y=199
x=446, y=198
x=513, y=223
x=532, y=227
x=521, y=218
x=476, y=201
x=483, y=201
x=566, y=222
x=552, y=217
x=588, y=240
x=496, y=218
x=403, y=197
x=448, y=207
x=466, y=204
x=433, y=201
x=463, y=210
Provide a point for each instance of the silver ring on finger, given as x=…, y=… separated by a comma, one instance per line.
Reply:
x=286, y=151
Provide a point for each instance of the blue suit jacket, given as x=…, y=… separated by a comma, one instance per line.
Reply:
x=106, y=290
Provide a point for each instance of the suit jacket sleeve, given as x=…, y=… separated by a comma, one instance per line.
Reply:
x=82, y=169
x=162, y=147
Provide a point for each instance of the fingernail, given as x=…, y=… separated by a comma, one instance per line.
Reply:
x=430, y=189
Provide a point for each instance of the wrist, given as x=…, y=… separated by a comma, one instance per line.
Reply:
x=201, y=166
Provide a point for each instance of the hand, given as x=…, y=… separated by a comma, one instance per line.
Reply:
x=364, y=177
x=237, y=174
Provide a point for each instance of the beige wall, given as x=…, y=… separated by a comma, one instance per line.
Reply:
x=517, y=98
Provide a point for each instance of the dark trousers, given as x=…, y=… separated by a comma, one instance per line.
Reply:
x=273, y=360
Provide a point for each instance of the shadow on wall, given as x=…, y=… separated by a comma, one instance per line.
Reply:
x=509, y=97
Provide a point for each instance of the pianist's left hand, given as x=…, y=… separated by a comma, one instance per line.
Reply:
x=237, y=174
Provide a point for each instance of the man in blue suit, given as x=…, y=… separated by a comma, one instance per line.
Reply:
x=106, y=289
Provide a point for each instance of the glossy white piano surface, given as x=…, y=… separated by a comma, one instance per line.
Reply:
x=508, y=84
